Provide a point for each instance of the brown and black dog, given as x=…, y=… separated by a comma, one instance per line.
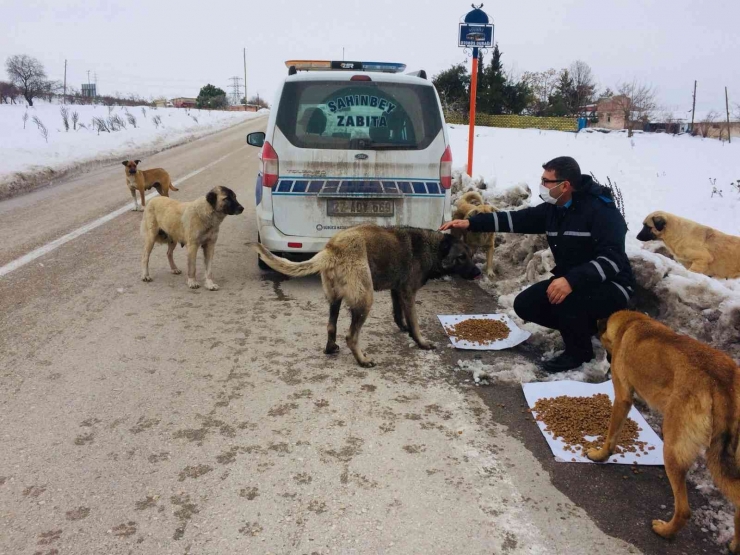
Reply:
x=192, y=224
x=143, y=180
x=697, y=390
x=367, y=258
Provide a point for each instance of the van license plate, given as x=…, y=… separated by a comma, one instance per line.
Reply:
x=351, y=207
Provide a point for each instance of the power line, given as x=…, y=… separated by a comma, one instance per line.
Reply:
x=235, y=90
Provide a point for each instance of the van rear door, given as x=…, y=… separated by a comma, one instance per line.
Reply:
x=355, y=152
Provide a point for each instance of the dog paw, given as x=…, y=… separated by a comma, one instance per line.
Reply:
x=193, y=284
x=597, y=455
x=211, y=286
x=663, y=529
x=331, y=349
x=368, y=363
x=146, y=278
x=426, y=346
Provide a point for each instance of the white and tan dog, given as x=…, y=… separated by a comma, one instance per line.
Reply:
x=192, y=224
x=143, y=180
x=698, y=247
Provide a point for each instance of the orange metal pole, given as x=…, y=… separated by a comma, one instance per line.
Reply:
x=471, y=131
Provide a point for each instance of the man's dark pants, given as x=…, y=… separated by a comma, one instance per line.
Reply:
x=575, y=318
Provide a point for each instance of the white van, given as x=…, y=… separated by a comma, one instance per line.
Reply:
x=350, y=143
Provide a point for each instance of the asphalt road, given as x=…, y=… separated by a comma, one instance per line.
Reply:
x=151, y=418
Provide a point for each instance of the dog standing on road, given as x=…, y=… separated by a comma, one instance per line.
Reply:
x=143, y=180
x=698, y=247
x=192, y=224
x=695, y=387
x=367, y=258
x=469, y=205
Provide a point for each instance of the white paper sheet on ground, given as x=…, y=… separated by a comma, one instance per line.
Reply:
x=516, y=335
x=543, y=390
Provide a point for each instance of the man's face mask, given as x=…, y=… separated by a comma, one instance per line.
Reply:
x=546, y=194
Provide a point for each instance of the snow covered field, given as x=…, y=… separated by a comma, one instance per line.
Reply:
x=26, y=154
x=676, y=174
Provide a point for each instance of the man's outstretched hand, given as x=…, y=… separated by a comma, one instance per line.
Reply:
x=458, y=224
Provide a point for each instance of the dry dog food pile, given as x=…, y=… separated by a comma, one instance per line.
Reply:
x=479, y=331
x=573, y=418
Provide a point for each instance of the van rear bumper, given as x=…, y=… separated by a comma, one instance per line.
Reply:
x=275, y=241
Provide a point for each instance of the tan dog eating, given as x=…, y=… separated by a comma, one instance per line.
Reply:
x=695, y=387
x=192, y=224
x=143, y=180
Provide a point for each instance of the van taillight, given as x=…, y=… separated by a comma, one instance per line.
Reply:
x=269, y=165
x=445, y=169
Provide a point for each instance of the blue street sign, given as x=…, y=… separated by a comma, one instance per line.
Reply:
x=476, y=35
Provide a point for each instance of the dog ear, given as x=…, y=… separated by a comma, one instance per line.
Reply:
x=659, y=223
x=212, y=197
x=446, y=245
x=125, y=162
x=137, y=161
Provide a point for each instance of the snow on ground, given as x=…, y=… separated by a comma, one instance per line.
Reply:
x=25, y=154
x=676, y=174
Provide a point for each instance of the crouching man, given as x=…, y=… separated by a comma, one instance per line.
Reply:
x=592, y=277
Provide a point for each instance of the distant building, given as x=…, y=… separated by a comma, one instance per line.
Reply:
x=240, y=108
x=182, y=102
x=610, y=113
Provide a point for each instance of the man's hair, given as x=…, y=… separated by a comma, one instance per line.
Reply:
x=565, y=168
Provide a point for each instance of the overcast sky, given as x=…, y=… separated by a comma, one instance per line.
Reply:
x=153, y=48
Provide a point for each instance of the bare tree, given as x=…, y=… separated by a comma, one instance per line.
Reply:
x=636, y=102
x=584, y=84
x=28, y=75
x=543, y=85
x=704, y=126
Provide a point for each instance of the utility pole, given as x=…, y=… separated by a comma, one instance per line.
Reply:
x=727, y=107
x=235, y=89
x=88, y=77
x=342, y=53
x=693, y=109
x=64, y=97
x=245, y=79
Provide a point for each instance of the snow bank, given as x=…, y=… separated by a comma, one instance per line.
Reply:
x=27, y=157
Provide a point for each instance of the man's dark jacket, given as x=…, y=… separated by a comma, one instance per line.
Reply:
x=586, y=237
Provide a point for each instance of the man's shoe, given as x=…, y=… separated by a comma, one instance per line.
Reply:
x=563, y=362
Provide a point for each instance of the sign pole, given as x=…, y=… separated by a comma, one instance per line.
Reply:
x=471, y=126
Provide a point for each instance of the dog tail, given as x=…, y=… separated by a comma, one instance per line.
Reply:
x=172, y=187
x=290, y=268
x=723, y=448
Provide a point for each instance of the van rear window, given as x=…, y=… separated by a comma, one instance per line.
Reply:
x=359, y=115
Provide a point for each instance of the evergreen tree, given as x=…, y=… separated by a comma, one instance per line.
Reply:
x=211, y=97
x=453, y=87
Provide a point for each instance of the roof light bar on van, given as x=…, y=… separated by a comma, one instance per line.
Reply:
x=328, y=65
